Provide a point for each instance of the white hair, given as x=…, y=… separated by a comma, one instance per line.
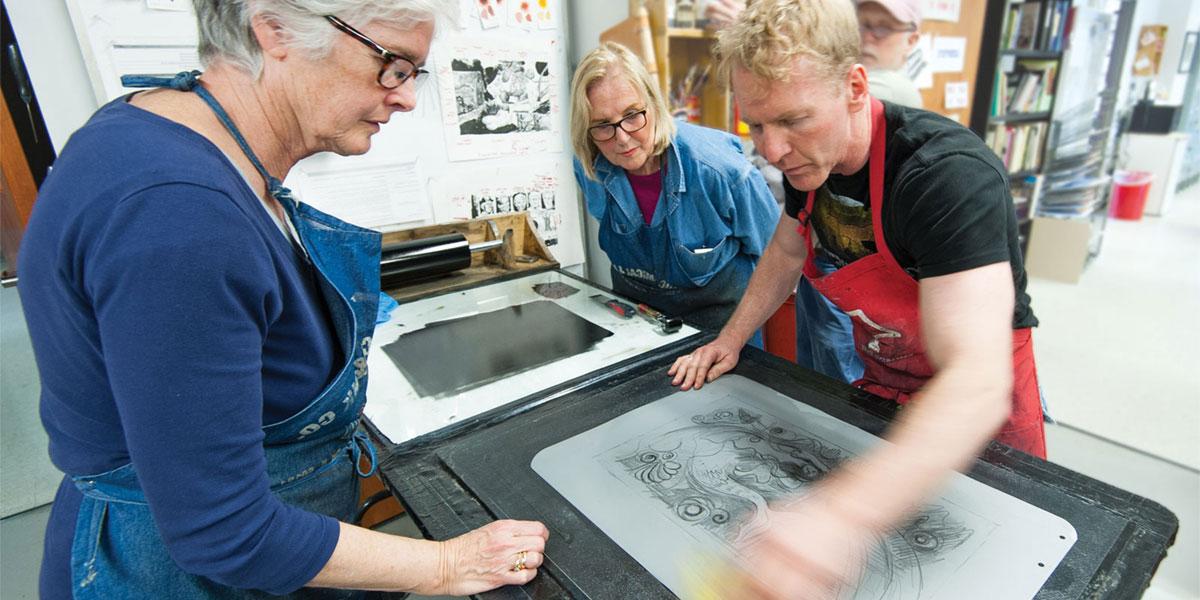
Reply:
x=226, y=34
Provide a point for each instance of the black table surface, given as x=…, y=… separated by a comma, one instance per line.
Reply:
x=479, y=471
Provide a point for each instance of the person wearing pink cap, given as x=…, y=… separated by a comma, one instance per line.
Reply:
x=889, y=32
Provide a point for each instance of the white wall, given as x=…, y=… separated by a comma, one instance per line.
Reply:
x=1180, y=16
x=588, y=18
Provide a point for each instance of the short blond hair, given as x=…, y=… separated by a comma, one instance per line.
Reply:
x=768, y=37
x=614, y=59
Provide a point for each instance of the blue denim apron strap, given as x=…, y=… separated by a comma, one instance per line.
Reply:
x=189, y=81
x=359, y=444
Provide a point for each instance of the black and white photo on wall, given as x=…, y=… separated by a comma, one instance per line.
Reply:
x=501, y=96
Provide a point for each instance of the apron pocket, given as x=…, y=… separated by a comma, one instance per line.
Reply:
x=700, y=264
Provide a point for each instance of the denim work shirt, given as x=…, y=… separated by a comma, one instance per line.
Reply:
x=715, y=208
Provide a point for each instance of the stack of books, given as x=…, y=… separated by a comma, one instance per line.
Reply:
x=1029, y=88
x=1036, y=25
x=1019, y=146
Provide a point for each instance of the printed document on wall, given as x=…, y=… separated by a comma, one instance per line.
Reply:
x=500, y=98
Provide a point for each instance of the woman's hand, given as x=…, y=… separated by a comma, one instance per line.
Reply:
x=500, y=553
x=704, y=364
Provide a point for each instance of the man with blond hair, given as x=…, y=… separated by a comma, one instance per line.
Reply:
x=915, y=213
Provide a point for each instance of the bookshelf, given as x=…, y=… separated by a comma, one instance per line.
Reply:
x=1030, y=42
x=676, y=50
x=1028, y=38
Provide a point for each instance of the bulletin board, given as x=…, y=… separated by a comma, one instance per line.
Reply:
x=488, y=136
x=946, y=59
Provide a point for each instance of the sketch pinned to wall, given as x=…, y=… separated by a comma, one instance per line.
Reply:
x=547, y=14
x=520, y=14
x=491, y=13
x=538, y=188
x=700, y=473
x=499, y=100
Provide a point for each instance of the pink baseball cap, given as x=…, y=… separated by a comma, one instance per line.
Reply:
x=905, y=11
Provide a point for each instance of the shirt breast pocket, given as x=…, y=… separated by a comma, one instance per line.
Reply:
x=701, y=263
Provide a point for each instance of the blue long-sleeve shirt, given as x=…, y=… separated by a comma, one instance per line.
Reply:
x=171, y=319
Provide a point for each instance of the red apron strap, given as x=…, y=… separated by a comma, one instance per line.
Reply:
x=878, y=156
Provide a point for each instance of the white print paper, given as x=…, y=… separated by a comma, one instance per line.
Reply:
x=178, y=5
x=375, y=195
x=941, y=10
x=701, y=473
x=401, y=414
x=520, y=14
x=919, y=63
x=949, y=54
x=957, y=95
x=546, y=14
x=491, y=13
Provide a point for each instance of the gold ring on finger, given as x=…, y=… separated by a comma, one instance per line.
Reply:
x=520, y=564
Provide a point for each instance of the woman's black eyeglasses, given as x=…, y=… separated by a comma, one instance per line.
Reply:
x=396, y=69
x=629, y=124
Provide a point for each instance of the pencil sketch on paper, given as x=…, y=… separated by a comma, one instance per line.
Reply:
x=719, y=473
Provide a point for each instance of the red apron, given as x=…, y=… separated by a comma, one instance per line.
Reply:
x=881, y=300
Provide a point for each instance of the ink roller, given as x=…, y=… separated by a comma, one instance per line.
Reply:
x=405, y=262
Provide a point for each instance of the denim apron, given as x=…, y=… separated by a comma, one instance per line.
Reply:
x=709, y=306
x=313, y=457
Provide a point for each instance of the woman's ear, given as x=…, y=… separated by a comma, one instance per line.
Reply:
x=270, y=36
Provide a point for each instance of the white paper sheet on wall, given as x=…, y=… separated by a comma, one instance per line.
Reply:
x=500, y=98
x=178, y=5
x=536, y=189
x=379, y=196
x=919, y=66
x=941, y=10
x=154, y=59
x=949, y=54
x=957, y=95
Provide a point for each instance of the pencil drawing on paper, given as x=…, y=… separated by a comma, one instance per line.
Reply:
x=719, y=473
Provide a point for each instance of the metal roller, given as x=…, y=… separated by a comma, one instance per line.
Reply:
x=405, y=262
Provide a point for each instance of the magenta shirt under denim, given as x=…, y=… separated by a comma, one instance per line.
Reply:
x=647, y=188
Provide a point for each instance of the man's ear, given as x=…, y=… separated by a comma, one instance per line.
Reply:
x=857, y=90
x=270, y=36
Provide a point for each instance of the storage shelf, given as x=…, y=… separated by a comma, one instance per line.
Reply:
x=1019, y=117
x=1035, y=54
x=694, y=33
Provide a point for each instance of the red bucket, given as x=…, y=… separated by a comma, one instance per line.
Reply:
x=1130, y=189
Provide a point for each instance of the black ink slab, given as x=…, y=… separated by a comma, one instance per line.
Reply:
x=452, y=356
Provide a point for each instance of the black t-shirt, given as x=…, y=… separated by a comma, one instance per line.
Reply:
x=947, y=205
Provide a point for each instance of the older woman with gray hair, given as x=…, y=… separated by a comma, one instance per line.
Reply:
x=201, y=336
x=683, y=215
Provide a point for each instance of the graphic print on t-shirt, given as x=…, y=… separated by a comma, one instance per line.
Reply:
x=842, y=226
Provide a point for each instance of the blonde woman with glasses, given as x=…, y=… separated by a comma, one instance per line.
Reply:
x=683, y=214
